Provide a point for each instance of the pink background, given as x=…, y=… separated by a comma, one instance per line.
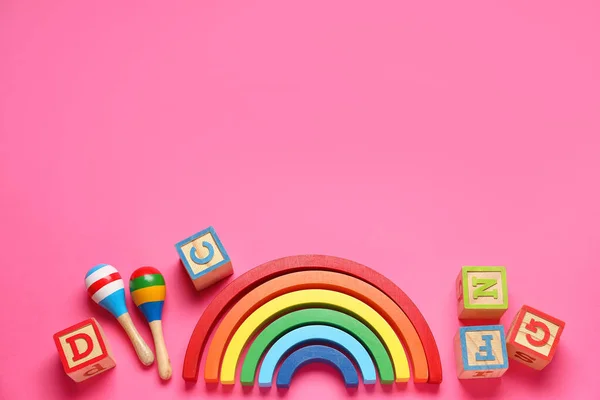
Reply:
x=411, y=137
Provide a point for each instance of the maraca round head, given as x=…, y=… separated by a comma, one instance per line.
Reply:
x=105, y=287
x=148, y=292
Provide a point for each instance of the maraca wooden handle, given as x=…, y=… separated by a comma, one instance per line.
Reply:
x=141, y=348
x=162, y=357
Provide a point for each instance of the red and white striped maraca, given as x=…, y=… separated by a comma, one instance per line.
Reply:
x=105, y=287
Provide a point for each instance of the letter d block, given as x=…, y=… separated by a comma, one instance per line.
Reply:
x=480, y=352
x=83, y=350
x=533, y=337
x=482, y=293
x=204, y=258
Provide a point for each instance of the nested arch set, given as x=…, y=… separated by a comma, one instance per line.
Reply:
x=305, y=309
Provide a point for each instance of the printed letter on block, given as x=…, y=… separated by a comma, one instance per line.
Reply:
x=480, y=352
x=481, y=293
x=533, y=337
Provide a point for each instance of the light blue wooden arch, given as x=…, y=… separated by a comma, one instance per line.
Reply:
x=316, y=334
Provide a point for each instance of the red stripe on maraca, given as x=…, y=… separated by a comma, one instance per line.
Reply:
x=94, y=287
x=144, y=271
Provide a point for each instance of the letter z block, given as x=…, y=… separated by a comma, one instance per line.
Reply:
x=533, y=337
x=480, y=352
x=482, y=293
x=83, y=350
x=204, y=258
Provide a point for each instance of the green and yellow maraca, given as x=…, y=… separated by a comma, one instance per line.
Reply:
x=148, y=291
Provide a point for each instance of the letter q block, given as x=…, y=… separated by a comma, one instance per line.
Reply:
x=533, y=337
x=480, y=352
x=83, y=350
x=482, y=293
x=204, y=258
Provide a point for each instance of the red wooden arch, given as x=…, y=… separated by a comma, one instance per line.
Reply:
x=272, y=269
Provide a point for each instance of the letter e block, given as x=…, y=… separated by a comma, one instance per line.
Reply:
x=533, y=337
x=204, y=258
x=480, y=352
x=481, y=293
x=83, y=350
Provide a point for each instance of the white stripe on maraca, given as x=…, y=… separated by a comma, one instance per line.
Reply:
x=99, y=274
x=107, y=290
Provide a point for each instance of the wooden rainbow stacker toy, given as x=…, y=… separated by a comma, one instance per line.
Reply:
x=327, y=303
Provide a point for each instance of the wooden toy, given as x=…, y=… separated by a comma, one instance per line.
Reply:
x=232, y=293
x=317, y=316
x=480, y=352
x=321, y=334
x=533, y=337
x=148, y=292
x=482, y=293
x=105, y=287
x=288, y=283
x=204, y=258
x=317, y=353
x=83, y=350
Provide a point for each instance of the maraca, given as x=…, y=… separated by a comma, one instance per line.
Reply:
x=105, y=287
x=148, y=292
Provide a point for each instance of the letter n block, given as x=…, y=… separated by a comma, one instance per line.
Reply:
x=480, y=352
x=204, y=258
x=83, y=350
x=533, y=337
x=482, y=293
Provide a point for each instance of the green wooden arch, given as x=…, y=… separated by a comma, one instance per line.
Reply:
x=322, y=316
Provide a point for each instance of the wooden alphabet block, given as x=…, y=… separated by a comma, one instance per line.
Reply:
x=480, y=352
x=482, y=293
x=204, y=258
x=83, y=350
x=533, y=337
